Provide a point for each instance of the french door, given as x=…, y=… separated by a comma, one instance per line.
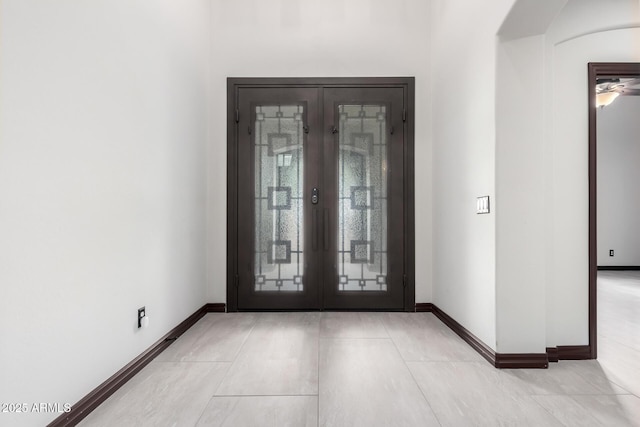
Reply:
x=320, y=192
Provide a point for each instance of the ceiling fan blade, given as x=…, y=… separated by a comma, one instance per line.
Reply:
x=629, y=92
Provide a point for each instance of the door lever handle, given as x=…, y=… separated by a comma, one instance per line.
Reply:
x=315, y=196
x=314, y=231
x=325, y=226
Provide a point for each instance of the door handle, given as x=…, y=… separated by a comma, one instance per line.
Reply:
x=314, y=232
x=325, y=226
x=315, y=196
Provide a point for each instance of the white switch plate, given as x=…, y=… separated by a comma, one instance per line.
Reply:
x=482, y=205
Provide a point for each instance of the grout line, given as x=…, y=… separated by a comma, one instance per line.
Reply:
x=193, y=361
x=444, y=361
x=204, y=409
x=404, y=362
x=619, y=386
x=618, y=343
x=235, y=359
x=355, y=338
x=266, y=395
x=253, y=325
x=424, y=396
x=547, y=410
x=582, y=394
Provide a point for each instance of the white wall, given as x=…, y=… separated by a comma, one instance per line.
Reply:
x=464, y=134
x=618, y=180
x=519, y=207
x=522, y=177
x=102, y=188
x=541, y=165
x=527, y=266
x=585, y=31
x=296, y=38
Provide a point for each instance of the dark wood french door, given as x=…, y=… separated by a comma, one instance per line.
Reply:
x=320, y=196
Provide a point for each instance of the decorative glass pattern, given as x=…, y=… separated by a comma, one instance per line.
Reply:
x=278, y=152
x=362, y=207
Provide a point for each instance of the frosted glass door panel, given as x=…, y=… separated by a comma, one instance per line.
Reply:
x=362, y=204
x=279, y=179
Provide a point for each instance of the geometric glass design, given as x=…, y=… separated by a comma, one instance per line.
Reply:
x=259, y=282
x=362, y=193
x=279, y=177
x=280, y=252
x=361, y=197
x=279, y=197
x=362, y=252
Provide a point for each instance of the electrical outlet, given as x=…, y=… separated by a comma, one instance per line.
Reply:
x=141, y=314
x=610, y=252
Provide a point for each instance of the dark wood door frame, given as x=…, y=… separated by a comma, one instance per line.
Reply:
x=596, y=70
x=234, y=169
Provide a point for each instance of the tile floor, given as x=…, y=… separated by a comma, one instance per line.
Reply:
x=377, y=369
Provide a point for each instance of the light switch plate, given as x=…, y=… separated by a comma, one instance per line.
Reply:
x=482, y=205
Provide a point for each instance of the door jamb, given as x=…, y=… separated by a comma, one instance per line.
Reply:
x=234, y=83
x=596, y=69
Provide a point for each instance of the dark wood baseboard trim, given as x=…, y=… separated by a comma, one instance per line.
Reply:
x=569, y=352
x=479, y=346
x=498, y=360
x=574, y=352
x=514, y=360
x=422, y=307
x=216, y=307
x=92, y=400
x=619, y=267
x=522, y=360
